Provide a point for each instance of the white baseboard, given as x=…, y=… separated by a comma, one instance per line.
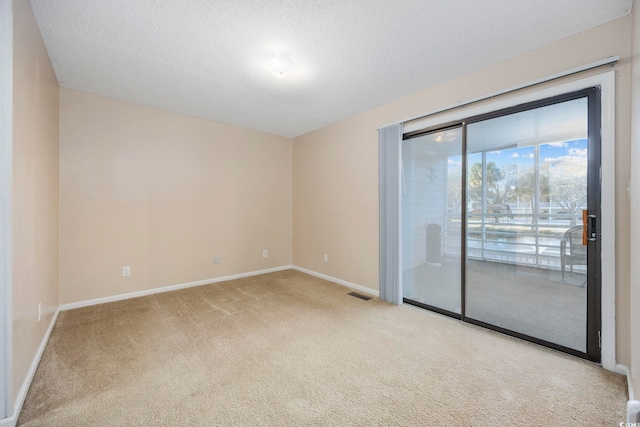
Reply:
x=17, y=405
x=338, y=281
x=624, y=370
x=129, y=295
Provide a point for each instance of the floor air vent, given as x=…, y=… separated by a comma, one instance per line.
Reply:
x=357, y=295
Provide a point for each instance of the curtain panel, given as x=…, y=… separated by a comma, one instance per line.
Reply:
x=389, y=155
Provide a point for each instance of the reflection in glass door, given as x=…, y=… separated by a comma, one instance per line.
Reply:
x=431, y=219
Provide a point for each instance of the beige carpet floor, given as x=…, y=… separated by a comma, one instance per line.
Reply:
x=288, y=349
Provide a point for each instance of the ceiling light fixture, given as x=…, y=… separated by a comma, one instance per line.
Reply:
x=281, y=65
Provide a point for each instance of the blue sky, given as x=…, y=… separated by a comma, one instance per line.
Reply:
x=524, y=156
x=550, y=153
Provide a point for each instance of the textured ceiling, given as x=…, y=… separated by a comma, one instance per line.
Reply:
x=204, y=57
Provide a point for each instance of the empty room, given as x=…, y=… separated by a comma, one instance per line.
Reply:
x=418, y=213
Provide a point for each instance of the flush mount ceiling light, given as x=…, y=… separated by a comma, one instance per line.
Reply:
x=281, y=65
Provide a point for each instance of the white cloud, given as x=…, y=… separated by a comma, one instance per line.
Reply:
x=515, y=155
x=578, y=152
x=530, y=155
x=564, y=161
x=566, y=167
x=558, y=144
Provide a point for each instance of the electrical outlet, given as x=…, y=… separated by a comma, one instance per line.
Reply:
x=126, y=271
x=265, y=253
x=216, y=259
x=39, y=311
x=326, y=258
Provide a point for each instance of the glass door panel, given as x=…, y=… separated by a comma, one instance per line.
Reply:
x=526, y=264
x=432, y=206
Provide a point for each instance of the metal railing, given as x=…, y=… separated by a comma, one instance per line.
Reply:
x=524, y=239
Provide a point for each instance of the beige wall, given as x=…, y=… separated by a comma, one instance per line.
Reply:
x=335, y=179
x=635, y=207
x=164, y=193
x=35, y=190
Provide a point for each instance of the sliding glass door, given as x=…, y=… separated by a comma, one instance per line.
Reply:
x=431, y=219
x=500, y=221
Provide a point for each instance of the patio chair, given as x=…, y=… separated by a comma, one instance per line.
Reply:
x=572, y=251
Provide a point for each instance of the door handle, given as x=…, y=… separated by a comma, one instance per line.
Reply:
x=592, y=221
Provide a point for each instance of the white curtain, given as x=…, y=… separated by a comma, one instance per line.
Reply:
x=389, y=154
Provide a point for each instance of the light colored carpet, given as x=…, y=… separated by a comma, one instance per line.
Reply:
x=288, y=349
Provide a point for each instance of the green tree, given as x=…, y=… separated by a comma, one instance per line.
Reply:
x=526, y=189
x=568, y=184
x=501, y=183
x=454, y=189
